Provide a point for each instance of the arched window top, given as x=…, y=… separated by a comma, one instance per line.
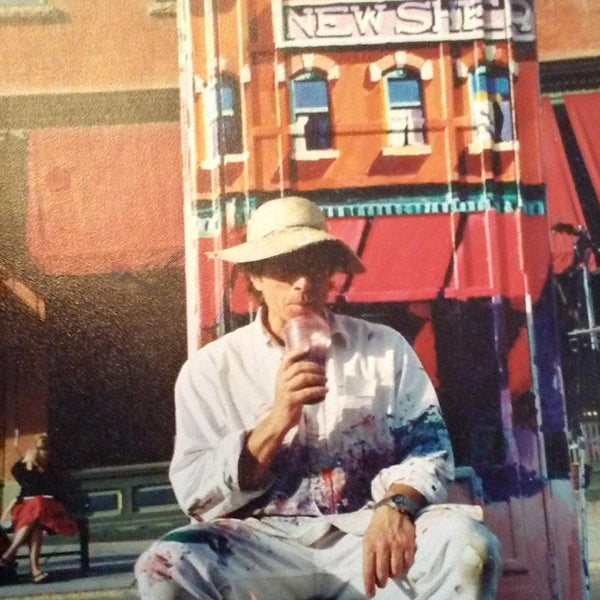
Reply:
x=405, y=114
x=311, y=62
x=401, y=60
x=490, y=56
x=310, y=114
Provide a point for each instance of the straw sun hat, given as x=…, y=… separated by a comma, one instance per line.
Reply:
x=286, y=225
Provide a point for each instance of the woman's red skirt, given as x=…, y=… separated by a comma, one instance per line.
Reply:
x=50, y=513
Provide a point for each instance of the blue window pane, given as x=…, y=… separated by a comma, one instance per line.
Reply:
x=230, y=136
x=404, y=92
x=318, y=132
x=310, y=94
x=499, y=85
x=227, y=99
x=479, y=81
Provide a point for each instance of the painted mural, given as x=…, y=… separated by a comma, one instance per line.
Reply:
x=415, y=127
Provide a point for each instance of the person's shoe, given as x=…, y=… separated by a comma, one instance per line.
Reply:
x=39, y=577
x=8, y=571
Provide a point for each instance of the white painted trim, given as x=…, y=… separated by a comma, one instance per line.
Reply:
x=427, y=71
x=280, y=75
x=490, y=52
x=479, y=147
x=312, y=155
x=375, y=73
x=461, y=69
x=308, y=61
x=333, y=73
x=408, y=150
x=162, y=8
x=209, y=164
x=245, y=74
x=198, y=84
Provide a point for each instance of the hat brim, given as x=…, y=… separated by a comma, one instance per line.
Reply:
x=282, y=242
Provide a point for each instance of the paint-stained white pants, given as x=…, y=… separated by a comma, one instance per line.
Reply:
x=457, y=558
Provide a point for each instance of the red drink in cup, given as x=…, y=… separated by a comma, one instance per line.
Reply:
x=308, y=331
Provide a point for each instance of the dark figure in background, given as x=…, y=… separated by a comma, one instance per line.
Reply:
x=39, y=507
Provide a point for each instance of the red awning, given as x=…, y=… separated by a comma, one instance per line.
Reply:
x=562, y=199
x=417, y=257
x=105, y=199
x=350, y=230
x=406, y=259
x=584, y=114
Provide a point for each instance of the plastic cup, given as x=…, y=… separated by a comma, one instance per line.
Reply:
x=309, y=332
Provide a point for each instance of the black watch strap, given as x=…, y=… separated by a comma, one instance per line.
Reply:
x=400, y=502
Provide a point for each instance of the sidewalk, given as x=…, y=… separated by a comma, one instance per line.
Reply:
x=110, y=575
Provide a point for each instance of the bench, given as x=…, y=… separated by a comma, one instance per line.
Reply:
x=82, y=544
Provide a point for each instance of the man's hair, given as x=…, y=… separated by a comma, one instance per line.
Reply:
x=328, y=253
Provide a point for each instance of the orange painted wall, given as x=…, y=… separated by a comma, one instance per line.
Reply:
x=358, y=114
x=103, y=46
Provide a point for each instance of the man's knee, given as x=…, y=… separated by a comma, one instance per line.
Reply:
x=478, y=560
x=451, y=542
x=154, y=571
x=188, y=558
x=166, y=555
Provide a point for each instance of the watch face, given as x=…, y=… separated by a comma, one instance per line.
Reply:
x=404, y=503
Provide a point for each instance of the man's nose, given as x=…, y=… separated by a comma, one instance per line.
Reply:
x=303, y=282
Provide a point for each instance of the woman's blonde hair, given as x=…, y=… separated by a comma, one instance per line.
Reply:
x=40, y=440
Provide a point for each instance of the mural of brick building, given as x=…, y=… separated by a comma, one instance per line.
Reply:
x=415, y=127
x=428, y=138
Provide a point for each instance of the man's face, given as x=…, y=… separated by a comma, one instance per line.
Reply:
x=293, y=283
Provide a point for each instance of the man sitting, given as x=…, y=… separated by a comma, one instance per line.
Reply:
x=305, y=480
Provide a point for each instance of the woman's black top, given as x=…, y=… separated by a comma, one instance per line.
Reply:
x=36, y=482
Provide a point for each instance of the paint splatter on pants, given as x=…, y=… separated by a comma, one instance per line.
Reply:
x=457, y=558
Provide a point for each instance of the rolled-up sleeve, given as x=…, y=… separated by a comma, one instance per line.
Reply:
x=423, y=457
x=208, y=444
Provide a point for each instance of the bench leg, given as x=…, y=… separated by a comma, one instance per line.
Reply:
x=84, y=544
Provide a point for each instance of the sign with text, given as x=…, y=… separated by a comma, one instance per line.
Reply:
x=317, y=23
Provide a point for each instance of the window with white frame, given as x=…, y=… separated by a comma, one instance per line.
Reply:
x=490, y=105
x=222, y=117
x=404, y=107
x=311, y=119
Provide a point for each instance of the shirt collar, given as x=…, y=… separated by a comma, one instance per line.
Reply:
x=338, y=334
x=262, y=331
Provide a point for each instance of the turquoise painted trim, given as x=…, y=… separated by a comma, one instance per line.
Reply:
x=389, y=207
x=208, y=221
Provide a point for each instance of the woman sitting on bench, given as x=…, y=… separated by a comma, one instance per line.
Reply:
x=38, y=508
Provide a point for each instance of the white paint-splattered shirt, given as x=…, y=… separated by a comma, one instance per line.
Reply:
x=380, y=423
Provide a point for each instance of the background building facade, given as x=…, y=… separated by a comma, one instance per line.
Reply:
x=416, y=128
x=433, y=141
x=91, y=230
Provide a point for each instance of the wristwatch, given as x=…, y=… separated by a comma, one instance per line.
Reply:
x=401, y=503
